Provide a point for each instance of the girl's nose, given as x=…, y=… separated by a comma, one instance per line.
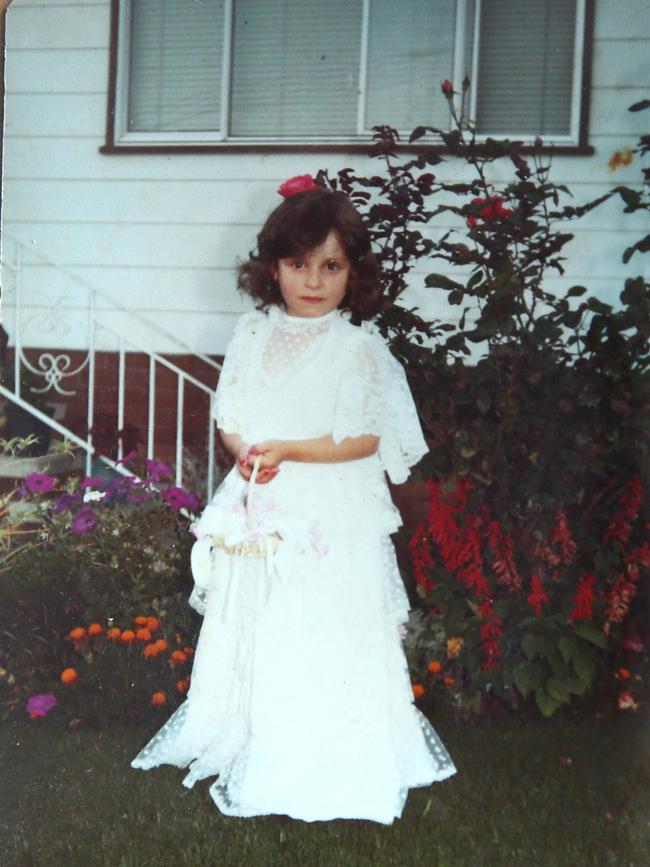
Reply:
x=313, y=278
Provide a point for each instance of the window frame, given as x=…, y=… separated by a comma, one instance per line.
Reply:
x=120, y=141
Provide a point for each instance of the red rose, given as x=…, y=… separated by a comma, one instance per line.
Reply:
x=493, y=210
x=447, y=88
x=299, y=184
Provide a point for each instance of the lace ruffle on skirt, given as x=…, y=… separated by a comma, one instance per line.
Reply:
x=298, y=705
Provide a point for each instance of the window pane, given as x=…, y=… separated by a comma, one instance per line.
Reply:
x=410, y=52
x=295, y=68
x=175, y=65
x=525, y=76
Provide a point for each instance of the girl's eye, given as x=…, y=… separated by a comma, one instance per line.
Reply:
x=333, y=266
x=298, y=265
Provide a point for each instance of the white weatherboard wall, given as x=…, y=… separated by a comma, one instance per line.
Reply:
x=161, y=233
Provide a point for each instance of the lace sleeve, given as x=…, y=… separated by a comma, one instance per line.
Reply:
x=227, y=408
x=374, y=398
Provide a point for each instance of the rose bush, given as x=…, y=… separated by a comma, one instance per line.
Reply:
x=531, y=553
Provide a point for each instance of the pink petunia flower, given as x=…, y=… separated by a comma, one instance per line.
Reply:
x=40, y=705
x=38, y=483
x=157, y=470
x=177, y=498
x=84, y=521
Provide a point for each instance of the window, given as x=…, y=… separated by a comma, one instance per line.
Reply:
x=282, y=73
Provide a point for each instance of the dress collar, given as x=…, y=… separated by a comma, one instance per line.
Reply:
x=280, y=316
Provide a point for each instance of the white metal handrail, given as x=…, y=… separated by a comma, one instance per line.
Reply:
x=54, y=368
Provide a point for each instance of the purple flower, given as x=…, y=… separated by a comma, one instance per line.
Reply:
x=128, y=458
x=38, y=483
x=65, y=503
x=41, y=704
x=157, y=470
x=84, y=521
x=177, y=498
x=96, y=482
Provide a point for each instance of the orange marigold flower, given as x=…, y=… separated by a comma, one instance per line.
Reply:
x=151, y=650
x=418, y=690
x=77, y=634
x=449, y=681
x=434, y=667
x=158, y=698
x=183, y=684
x=454, y=647
x=152, y=624
x=113, y=633
x=177, y=657
x=95, y=629
x=140, y=620
x=69, y=675
x=162, y=644
x=189, y=651
x=624, y=673
x=143, y=635
x=127, y=636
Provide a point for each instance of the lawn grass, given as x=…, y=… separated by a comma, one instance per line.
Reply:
x=68, y=797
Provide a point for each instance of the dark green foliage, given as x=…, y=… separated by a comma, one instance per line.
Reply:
x=538, y=401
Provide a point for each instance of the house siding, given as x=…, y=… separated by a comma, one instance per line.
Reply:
x=161, y=233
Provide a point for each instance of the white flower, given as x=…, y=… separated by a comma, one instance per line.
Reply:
x=91, y=496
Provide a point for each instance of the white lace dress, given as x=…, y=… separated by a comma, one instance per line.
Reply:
x=300, y=699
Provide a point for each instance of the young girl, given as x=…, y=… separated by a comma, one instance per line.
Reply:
x=300, y=699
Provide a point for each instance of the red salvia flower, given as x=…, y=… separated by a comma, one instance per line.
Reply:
x=539, y=596
x=503, y=561
x=618, y=598
x=583, y=600
x=620, y=527
x=624, y=589
x=460, y=551
x=491, y=631
x=561, y=536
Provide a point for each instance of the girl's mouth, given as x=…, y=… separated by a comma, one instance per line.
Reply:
x=311, y=300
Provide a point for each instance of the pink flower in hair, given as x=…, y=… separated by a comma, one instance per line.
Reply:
x=299, y=184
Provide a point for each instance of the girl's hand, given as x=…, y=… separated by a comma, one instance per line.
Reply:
x=264, y=476
x=273, y=452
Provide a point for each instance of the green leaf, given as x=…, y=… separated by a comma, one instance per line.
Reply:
x=531, y=645
x=557, y=663
x=575, y=291
x=575, y=685
x=590, y=633
x=455, y=297
x=527, y=677
x=546, y=703
x=640, y=106
x=584, y=665
x=568, y=646
x=439, y=281
x=417, y=133
x=557, y=689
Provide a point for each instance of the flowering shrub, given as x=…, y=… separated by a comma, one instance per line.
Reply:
x=532, y=548
x=99, y=549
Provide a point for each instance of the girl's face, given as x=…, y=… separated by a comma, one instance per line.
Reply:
x=316, y=283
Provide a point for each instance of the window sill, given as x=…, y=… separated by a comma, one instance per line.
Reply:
x=569, y=150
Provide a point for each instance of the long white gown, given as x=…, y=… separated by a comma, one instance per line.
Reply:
x=300, y=699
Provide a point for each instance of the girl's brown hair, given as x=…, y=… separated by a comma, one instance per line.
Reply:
x=301, y=223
